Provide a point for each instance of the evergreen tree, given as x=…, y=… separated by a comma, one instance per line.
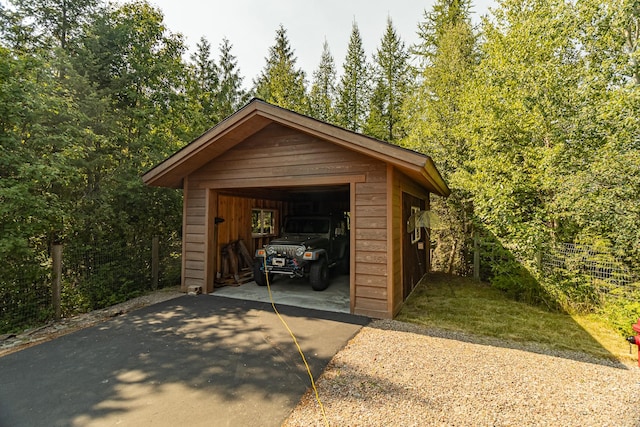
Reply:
x=392, y=76
x=323, y=89
x=136, y=66
x=205, y=71
x=202, y=88
x=231, y=95
x=354, y=88
x=214, y=90
x=280, y=83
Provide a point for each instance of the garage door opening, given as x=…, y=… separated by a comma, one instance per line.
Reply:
x=256, y=216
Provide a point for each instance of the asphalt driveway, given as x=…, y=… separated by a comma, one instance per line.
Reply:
x=197, y=361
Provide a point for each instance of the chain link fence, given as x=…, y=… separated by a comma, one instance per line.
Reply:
x=93, y=277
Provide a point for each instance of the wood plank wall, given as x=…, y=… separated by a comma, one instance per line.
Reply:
x=236, y=212
x=194, y=235
x=371, y=245
x=278, y=155
x=401, y=184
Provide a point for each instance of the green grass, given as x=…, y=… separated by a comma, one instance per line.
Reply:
x=459, y=304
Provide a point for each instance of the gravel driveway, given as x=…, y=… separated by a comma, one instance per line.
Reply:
x=395, y=374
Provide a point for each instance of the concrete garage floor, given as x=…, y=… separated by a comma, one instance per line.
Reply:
x=295, y=292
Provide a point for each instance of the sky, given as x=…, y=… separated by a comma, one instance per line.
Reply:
x=250, y=26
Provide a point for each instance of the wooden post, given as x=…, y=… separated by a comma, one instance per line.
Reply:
x=155, y=261
x=56, y=255
x=452, y=255
x=539, y=260
x=476, y=257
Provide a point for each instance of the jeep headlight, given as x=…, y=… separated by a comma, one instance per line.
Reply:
x=300, y=250
x=271, y=250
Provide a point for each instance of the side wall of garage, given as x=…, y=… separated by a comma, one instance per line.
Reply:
x=194, y=235
x=401, y=184
x=369, y=212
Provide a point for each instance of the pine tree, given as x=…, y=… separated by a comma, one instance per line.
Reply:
x=354, y=90
x=280, y=83
x=205, y=71
x=203, y=87
x=231, y=95
x=323, y=90
x=392, y=76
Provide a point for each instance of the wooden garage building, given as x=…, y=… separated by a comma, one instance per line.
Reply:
x=266, y=160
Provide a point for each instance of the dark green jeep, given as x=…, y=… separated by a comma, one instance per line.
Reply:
x=307, y=247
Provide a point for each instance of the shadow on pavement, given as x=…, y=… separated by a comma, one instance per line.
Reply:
x=187, y=361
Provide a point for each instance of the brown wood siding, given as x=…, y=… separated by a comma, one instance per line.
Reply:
x=194, y=232
x=371, y=245
x=398, y=228
x=401, y=184
x=278, y=156
x=236, y=212
x=411, y=187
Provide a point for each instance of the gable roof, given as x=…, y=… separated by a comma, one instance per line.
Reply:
x=256, y=115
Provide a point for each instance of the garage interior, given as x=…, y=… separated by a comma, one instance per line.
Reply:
x=307, y=200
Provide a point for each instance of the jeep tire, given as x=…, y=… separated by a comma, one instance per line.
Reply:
x=343, y=264
x=319, y=275
x=258, y=276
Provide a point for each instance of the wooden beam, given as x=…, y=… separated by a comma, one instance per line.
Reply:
x=291, y=181
x=393, y=252
x=352, y=247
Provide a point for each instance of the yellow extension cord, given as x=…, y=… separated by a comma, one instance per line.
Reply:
x=304, y=359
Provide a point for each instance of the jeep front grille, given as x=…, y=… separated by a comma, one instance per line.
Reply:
x=286, y=250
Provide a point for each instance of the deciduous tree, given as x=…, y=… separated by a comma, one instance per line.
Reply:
x=436, y=115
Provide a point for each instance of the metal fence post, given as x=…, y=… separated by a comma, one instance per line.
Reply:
x=56, y=255
x=155, y=261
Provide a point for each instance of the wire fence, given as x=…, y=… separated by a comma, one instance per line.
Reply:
x=93, y=277
x=572, y=276
x=597, y=268
x=26, y=300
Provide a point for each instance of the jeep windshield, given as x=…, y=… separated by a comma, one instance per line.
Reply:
x=306, y=226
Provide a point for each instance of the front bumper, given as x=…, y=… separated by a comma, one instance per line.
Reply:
x=284, y=265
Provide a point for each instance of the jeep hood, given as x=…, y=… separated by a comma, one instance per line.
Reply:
x=300, y=239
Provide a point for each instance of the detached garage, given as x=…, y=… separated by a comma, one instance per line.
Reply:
x=244, y=176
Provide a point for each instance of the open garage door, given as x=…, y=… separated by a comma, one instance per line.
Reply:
x=255, y=217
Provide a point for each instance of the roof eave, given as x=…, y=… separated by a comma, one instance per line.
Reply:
x=171, y=172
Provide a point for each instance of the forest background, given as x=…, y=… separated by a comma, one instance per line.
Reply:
x=532, y=116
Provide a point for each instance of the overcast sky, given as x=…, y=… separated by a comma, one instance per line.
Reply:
x=250, y=26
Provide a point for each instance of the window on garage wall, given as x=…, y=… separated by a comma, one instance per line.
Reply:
x=417, y=232
x=263, y=222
